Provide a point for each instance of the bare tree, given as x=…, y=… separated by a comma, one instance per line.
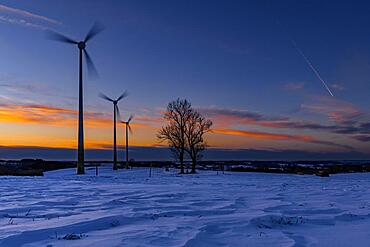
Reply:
x=177, y=114
x=196, y=127
x=172, y=135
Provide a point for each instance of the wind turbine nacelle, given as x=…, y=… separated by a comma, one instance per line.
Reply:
x=81, y=45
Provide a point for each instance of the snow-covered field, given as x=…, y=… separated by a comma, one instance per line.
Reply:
x=127, y=208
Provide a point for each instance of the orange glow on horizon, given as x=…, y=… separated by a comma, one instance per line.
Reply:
x=55, y=116
x=55, y=127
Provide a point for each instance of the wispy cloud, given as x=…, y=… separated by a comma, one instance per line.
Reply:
x=149, y=120
x=27, y=14
x=338, y=110
x=294, y=86
x=345, y=123
x=35, y=114
x=25, y=18
x=228, y=116
x=24, y=89
x=21, y=22
x=279, y=137
x=54, y=116
x=337, y=87
x=263, y=135
x=362, y=138
x=19, y=88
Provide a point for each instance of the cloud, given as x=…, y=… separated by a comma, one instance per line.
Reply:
x=42, y=114
x=294, y=86
x=362, y=138
x=25, y=90
x=281, y=137
x=55, y=116
x=18, y=88
x=26, y=14
x=227, y=118
x=242, y=116
x=150, y=120
x=25, y=18
x=35, y=114
x=263, y=135
x=337, y=87
x=329, y=143
x=337, y=110
x=21, y=22
x=67, y=118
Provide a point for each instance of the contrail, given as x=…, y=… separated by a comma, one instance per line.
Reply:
x=311, y=66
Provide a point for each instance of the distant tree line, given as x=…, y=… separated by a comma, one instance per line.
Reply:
x=184, y=132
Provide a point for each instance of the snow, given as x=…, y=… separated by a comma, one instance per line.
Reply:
x=128, y=208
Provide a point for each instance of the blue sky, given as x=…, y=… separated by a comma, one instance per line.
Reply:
x=233, y=60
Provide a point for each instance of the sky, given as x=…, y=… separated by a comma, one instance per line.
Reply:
x=257, y=69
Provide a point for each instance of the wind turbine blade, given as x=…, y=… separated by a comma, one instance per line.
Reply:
x=129, y=129
x=90, y=66
x=103, y=96
x=52, y=35
x=118, y=113
x=130, y=118
x=125, y=93
x=95, y=29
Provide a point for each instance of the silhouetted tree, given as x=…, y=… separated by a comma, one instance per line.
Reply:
x=172, y=135
x=177, y=114
x=196, y=127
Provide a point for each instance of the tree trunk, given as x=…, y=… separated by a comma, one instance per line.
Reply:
x=181, y=158
x=193, y=164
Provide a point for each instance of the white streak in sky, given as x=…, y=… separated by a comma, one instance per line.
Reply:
x=311, y=66
x=21, y=22
x=24, y=13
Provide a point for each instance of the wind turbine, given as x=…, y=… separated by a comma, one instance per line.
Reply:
x=115, y=111
x=128, y=128
x=81, y=45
